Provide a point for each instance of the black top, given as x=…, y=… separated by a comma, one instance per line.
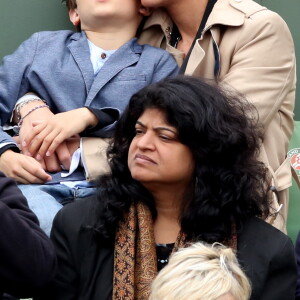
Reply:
x=163, y=252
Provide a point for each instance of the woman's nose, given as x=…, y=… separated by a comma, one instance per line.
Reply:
x=146, y=141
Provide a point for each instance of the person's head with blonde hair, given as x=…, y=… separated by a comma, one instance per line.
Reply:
x=201, y=272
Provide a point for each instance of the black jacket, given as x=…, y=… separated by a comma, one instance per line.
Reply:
x=27, y=256
x=85, y=267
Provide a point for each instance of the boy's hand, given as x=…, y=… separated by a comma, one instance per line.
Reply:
x=27, y=126
x=47, y=135
x=22, y=168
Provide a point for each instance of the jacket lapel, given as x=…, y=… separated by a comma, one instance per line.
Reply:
x=80, y=51
x=209, y=40
x=124, y=57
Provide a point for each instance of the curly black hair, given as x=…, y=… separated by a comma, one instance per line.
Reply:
x=221, y=129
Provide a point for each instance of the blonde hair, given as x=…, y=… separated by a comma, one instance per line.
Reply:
x=201, y=272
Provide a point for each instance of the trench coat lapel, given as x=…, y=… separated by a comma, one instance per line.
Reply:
x=210, y=37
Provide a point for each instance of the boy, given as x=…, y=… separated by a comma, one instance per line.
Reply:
x=86, y=79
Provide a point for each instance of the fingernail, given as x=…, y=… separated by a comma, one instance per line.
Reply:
x=24, y=144
x=48, y=153
x=38, y=157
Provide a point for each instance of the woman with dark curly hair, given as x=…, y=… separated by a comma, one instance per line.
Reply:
x=183, y=169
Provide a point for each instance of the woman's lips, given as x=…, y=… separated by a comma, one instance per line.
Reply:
x=143, y=158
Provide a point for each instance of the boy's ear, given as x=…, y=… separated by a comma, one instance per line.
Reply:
x=74, y=17
x=145, y=11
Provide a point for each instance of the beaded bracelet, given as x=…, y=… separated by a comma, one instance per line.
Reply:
x=30, y=111
x=19, y=106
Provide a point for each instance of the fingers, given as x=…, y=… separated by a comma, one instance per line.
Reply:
x=73, y=144
x=33, y=139
x=44, y=139
x=22, y=168
x=50, y=144
x=52, y=163
x=31, y=171
x=64, y=155
x=26, y=177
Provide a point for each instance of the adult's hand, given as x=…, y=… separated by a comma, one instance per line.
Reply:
x=22, y=168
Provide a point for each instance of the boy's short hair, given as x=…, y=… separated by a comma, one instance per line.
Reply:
x=71, y=4
x=201, y=272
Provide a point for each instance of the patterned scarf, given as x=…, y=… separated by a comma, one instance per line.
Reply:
x=135, y=261
x=135, y=264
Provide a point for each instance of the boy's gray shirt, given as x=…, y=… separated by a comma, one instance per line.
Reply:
x=56, y=65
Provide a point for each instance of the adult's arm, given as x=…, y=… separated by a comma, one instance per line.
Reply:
x=27, y=260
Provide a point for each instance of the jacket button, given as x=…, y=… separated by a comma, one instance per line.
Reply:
x=103, y=55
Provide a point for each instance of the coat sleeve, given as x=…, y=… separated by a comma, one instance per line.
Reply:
x=281, y=280
x=13, y=83
x=263, y=66
x=27, y=256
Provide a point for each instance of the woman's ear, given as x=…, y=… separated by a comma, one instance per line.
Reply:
x=145, y=11
x=74, y=17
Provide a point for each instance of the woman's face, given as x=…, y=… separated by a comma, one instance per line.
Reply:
x=155, y=154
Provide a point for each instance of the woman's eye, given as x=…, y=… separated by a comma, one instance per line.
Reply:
x=166, y=138
x=138, y=131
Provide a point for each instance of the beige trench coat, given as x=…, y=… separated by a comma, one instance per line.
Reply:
x=255, y=53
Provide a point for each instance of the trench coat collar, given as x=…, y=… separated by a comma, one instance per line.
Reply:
x=222, y=13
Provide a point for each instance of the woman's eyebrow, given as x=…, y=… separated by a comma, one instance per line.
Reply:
x=159, y=128
x=140, y=123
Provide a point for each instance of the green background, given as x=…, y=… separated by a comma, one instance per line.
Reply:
x=20, y=18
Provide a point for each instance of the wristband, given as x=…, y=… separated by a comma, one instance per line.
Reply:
x=30, y=111
x=23, y=104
